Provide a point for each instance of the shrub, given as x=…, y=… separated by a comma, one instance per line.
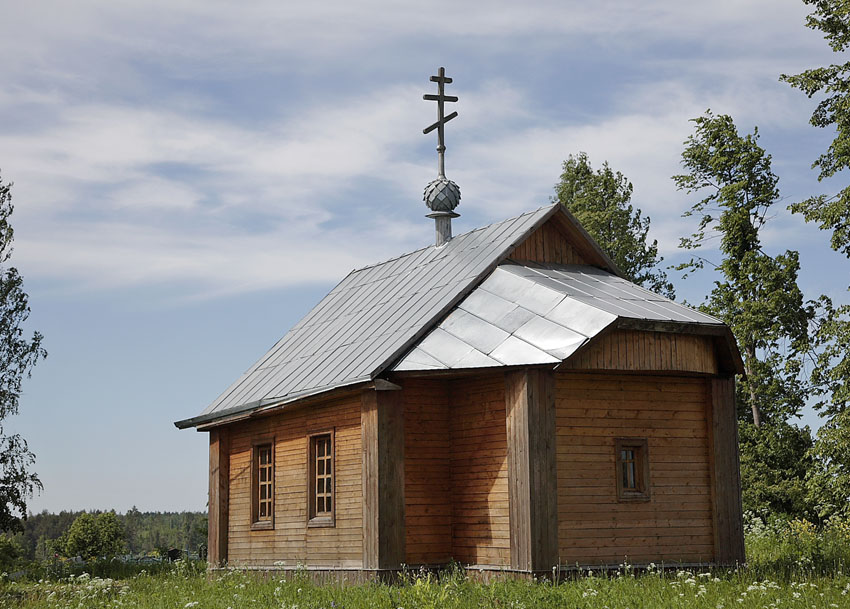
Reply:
x=785, y=546
x=11, y=554
x=93, y=536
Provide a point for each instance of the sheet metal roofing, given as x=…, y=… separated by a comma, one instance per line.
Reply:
x=529, y=313
x=371, y=318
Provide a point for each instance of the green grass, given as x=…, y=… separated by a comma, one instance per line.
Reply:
x=791, y=564
x=187, y=587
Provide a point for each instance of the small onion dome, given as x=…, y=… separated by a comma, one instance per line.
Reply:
x=442, y=195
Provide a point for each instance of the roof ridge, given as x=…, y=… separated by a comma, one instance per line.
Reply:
x=469, y=232
x=471, y=284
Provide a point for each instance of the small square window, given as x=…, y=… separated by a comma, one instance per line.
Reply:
x=632, y=460
x=320, y=480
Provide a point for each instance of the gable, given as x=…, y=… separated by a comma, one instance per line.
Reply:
x=548, y=244
x=562, y=240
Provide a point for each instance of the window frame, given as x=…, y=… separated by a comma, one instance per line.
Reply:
x=256, y=445
x=642, y=478
x=323, y=520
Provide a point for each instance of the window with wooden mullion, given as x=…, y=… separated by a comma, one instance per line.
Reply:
x=264, y=483
x=324, y=480
x=321, y=480
x=632, y=460
x=627, y=459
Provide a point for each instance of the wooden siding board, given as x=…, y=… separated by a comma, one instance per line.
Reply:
x=677, y=523
x=427, y=472
x=219, y=496
x=382, y=432
x=729, y=533
x=530, y=404
x=480, y=529
x=548, y=244
x=637, y=350
x=291, y=541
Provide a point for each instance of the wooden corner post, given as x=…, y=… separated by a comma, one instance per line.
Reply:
x=532, y=477
x=726, y=474
x=219, y=497
x=382, y=431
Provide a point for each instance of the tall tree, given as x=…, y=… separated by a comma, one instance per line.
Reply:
x=830, y=211
x=831, y=373
x=601, y=200
x=830, y=483
x=18, y=354
x=758, y=296
x=756, y=293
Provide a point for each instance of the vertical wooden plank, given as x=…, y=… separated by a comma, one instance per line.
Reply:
x=519, y=498
x=675, y=364
x=532, y=475
x=623, y=355
x=382, y=433
x=219, y=495
x=727, y=508
x=368, y=436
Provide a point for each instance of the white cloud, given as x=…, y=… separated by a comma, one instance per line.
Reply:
x=117, y=187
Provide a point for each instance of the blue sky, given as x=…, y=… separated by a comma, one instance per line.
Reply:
x=191, y=177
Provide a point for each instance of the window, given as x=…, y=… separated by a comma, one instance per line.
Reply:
x=632, y=458
x=262, y=485
x=321, y=480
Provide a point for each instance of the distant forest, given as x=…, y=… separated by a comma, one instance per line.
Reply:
x=145, y=532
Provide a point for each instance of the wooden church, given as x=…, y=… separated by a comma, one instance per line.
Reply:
x=504, y=399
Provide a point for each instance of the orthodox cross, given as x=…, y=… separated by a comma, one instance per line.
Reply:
x=442, y=80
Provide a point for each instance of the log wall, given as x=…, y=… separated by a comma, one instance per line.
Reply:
x=427, y=472
x=479, y=468
x=291, y=541
x=592, y=410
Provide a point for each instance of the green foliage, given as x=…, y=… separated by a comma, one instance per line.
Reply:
x=11, y=553
x=756, y=294
x=82, y=537
x=829, y=479
x=785, y=546
x=111, y=534
x=93, y=536
x=774, y=463
x=18, y=354
x=45, y=534
x=830, y=375
x=831, y=212
x=829, y=482
x=601, y=200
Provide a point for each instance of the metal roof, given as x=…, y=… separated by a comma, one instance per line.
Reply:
x=372, y=318
x=530, y=313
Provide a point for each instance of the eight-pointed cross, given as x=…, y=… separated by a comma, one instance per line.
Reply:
x=441, y=79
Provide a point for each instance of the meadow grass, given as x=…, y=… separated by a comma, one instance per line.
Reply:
x=791, y=564
x=186, y=586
